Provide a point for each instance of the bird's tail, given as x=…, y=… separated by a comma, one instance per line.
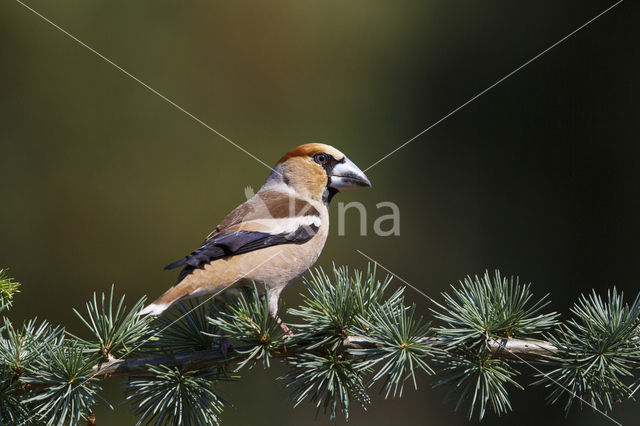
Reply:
x=164, y=302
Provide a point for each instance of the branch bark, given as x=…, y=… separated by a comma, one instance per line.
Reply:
x=500, y=348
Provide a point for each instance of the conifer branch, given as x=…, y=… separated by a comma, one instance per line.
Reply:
x=506, y=348
x=351, y=332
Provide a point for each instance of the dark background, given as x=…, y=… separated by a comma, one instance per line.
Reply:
x=103, y=182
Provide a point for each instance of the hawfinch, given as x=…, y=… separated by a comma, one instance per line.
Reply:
x=275, y=236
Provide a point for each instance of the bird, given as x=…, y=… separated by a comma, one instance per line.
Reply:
x=274, y=237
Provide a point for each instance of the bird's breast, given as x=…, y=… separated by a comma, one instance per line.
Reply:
x=286, y=263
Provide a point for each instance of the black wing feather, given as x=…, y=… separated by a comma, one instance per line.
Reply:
x=238, y=242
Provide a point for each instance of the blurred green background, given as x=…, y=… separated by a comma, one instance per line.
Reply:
x=103, y=182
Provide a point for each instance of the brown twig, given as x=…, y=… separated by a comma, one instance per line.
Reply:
x=500, y=348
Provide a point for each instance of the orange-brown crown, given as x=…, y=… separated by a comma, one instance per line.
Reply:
x=309, y=149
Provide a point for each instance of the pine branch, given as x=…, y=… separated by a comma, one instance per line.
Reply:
x=8, y=288
x=351, y=335
x=505, y=348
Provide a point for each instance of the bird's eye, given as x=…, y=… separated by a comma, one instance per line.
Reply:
x=321, y=158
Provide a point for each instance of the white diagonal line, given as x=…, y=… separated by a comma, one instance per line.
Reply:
x=634, y=391
x=194, y=308
x=172, y=322
x=142, y=83
x=401, y=279
x=524, y=361
x=575, y=395
x=494, y=84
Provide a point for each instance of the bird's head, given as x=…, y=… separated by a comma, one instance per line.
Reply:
x=319, y=171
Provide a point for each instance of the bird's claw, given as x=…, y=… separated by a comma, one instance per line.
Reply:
x=287, y=332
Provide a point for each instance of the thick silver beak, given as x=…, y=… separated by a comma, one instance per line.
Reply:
x=346, y=175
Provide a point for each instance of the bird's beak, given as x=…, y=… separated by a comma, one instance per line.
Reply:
x=346, y=175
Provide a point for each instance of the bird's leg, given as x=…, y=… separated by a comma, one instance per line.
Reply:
x=287, y=332
x=274, y=294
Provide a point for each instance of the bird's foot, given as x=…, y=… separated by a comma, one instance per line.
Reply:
x=287, y=332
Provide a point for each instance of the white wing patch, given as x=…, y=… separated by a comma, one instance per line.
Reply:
x=280, y=226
